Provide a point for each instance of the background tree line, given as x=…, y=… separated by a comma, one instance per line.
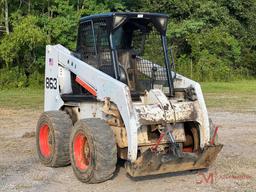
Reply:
x=212, y=40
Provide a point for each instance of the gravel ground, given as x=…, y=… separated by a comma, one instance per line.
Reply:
x=234, y=169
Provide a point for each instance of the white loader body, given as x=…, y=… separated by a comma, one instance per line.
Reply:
x=154, y=107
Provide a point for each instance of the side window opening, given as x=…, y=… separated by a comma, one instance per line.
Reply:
x=140, y=53
x=86, y=43
x=94, y=46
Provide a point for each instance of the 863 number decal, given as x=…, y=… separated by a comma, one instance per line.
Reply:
x=51, y=83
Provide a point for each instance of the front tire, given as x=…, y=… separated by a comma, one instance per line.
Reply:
x=93, y=151
x=52, y=138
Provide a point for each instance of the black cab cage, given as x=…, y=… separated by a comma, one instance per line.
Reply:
x=121, y=45
x=116, y=19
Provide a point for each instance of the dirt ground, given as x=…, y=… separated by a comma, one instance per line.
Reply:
x=234, y=169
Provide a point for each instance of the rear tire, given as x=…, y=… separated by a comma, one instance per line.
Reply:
x=93, y=151
x=52, y=138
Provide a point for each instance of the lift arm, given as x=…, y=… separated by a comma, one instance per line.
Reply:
x=98, y=83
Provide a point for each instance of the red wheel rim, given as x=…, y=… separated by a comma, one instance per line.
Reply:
x=187, y=149
x=81, y=151
x=45, y=147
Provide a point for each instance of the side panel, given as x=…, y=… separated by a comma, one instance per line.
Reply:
x=52, y=99
x=91, y=110
x=202, y=118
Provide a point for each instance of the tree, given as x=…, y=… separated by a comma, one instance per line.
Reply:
x=20, y=47
x=4, y=16
x=208, y=37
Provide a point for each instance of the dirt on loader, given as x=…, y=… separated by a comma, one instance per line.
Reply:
x=234, y=169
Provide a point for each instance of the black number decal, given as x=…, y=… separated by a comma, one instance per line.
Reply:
x=55, y=83
x=51, y=83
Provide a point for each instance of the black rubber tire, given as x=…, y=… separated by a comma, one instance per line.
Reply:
x=212, y=129
x=60, y=126
x=196, y=139
x=102, y=150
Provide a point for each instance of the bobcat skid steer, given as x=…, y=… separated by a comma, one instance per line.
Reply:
x=118, y=96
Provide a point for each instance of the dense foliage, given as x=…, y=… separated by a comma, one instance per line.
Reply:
x=212, y=40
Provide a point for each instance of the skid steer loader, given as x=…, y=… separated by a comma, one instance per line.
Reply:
x=118, y=96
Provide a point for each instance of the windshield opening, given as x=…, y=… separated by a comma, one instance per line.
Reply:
x=140, y=55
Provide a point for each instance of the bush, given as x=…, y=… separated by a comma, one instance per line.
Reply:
x=15, y=78
x=12, y=78
x=210, y=68
x=36, y=80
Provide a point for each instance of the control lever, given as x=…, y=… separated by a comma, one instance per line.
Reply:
x=174, y=146
x=153, y=76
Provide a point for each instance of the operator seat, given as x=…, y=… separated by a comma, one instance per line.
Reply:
x=127, y=60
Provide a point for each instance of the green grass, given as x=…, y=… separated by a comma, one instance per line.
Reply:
x=21, y=98
x=246, y=86
x=238, y=96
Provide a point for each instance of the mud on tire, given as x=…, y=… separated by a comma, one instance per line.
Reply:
x=52, y=138
x=93, y=151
